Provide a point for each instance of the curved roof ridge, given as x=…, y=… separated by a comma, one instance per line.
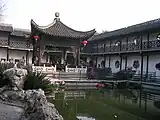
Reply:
x=59, y=29
x=43, y=27
x=76, y=30
x=56, y=21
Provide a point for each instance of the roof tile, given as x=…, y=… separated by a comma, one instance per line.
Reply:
x=58, y=29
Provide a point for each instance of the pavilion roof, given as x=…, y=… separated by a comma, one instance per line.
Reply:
x=145, y=26
x=59, y=29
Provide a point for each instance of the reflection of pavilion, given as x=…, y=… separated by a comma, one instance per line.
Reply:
x=57, y=43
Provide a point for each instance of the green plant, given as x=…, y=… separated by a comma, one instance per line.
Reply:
x=4, y=79
x=36, y=80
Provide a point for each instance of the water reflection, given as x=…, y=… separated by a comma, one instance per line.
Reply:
x=85, y=118
x=91, y=102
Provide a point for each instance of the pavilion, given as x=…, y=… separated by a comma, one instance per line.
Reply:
x=57, y=43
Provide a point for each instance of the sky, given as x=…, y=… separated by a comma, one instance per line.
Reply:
x=82, y=15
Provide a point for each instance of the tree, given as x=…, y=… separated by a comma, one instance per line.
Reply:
x=2, y=8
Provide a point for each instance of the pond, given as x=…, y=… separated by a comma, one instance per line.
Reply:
x=108, y=104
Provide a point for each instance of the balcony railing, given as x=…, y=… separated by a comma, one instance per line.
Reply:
x=17, y=44
x=107, y=49
x=101, y=50
x=115, y=48
x=3, y=43
x=154, y=44
x=132, y=46
x=151, y=45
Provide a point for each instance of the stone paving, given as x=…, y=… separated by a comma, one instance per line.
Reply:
x=9, y=112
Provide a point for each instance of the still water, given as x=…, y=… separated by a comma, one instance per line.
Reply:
x=108, y=104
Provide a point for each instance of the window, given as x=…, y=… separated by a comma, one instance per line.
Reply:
x=117, y=43
x=158, y=37
x=16, y=60
x=3, y=59
x=136, y=39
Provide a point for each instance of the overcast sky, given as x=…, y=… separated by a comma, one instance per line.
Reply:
x=82, y=15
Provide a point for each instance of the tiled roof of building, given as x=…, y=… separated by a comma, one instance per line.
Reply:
x=146, y=26
x=20, y=32
x=6, y=27
x=58, y=29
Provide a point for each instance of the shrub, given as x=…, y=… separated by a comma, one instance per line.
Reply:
x=4, y=80
x=36, y=80
x=124, y=74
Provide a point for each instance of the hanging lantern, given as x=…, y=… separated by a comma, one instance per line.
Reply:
x=36, y=37
x=84, y=42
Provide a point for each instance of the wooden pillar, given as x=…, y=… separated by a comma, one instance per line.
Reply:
x=62, y=57
x=38, y=54
x=78, y=56
x=145, y=103
x=141, y=79
x=96, y=61
x=109, y=61
x=147, y=40
x=141, y=42
x=8, y=46
x=27, y=57
x=127, y=43
x=120, y=47
x=120, y=62
x=147, y=67
x=109, y=45
x=47, y=60
x=27, y=52
x=97, y=48
x=125, y=62
x=104, y=61
x=34, y=55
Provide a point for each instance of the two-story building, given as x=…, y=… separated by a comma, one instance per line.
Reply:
x=136, y=46
x=14, y=44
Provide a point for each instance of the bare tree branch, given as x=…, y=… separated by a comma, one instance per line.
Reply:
x=2, y=8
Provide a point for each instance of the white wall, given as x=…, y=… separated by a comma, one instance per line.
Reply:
x=112, y=63
x=3, y=53
x=153, y=60
x=99, y=60
x=131, y=59
x=17, y=54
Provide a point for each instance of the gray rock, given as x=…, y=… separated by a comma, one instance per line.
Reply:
x=34, y=103
x=16, y=76
x=37, y=107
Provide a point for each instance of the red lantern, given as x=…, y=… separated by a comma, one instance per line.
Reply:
x=36, y=37
x=84, y=42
